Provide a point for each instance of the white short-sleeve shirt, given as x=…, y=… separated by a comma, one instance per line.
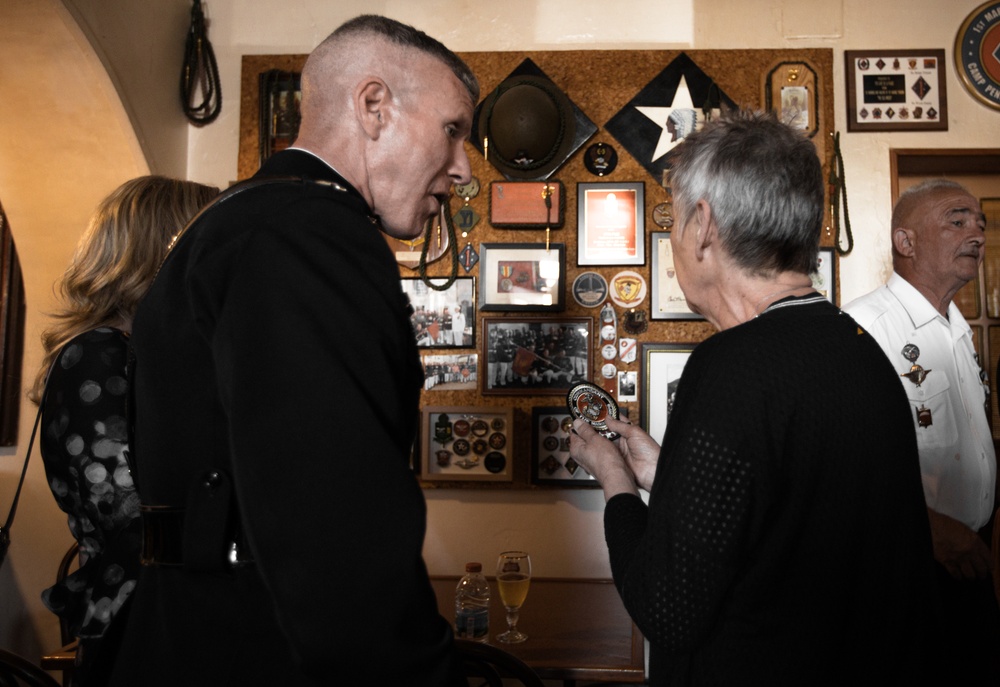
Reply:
x=957, y=460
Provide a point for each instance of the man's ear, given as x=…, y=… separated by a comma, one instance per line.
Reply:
x=707, y=231
x=903, y=241
x=371, y=102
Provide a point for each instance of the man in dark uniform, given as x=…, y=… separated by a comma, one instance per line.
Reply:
x=284, y=527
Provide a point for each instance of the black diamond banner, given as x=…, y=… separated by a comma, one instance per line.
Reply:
x=668, y=108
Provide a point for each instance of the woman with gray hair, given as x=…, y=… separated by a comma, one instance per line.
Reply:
x=785, y=541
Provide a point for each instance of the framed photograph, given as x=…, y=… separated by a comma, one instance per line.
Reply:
x=467, y=443
x=535, y=355
x=551, y=463
x=896, y=90
x=825, y=278
x=522, y=277
x=451, y=372
x=660, y=368
x=443, y=319
x=610, y=223
x=628, y=386
x=668, y=299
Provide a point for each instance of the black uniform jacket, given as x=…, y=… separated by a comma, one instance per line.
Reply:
x=275, y=347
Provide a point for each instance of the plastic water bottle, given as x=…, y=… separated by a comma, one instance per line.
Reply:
x=472, y=604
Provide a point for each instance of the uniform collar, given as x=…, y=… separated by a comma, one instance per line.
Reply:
x=920, y=310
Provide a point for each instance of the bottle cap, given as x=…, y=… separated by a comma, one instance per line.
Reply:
x=473, y=567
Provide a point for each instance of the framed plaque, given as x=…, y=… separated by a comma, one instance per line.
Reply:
x=791, y=90
x=610, y=224
x=660, y=367
x=824, y=279
x=551, y=463
x=467, y=443
x=896, y=90
x=442, y=319
x=527, y=204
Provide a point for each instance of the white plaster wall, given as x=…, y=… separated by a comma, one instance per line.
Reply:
x=65, y=143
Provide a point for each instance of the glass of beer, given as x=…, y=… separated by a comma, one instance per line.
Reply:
x=513, y=578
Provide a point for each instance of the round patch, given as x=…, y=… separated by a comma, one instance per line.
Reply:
x=590, y=289
x=495, y=462
x=600, y=159
x=977, y=53
x=469, y=190
x=628, y=289
x=663, y=215
x=594, y=405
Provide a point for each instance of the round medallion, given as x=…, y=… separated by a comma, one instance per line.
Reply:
x=480, y=428
x=628, y=289
x=663, y=215
x=497, y=440
x=609, y=371
x=469, y=190
x=550, y=424
x=567, y=424
x=550, y=443
x=495, y=462
x=609, y=351
x=608, y=332
x=461, y=447
x=479, y=447
x=594, y=405
x=497, y=424
x=977, y=46
x=590, y=289
x=461, y=428
x=600, y=159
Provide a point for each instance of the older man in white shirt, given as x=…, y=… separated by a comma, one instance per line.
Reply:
x=938, y=243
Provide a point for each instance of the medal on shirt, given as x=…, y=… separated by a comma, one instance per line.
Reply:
x=917, y=374
x=924, y=416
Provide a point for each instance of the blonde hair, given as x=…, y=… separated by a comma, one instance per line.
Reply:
x=117, y=258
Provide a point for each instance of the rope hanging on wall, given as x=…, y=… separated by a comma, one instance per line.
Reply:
x=838, y=191
x=452, y=250
x=200, y=71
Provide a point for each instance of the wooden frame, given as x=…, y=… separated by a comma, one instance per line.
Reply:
x=610, y=223
x=535, y=355
x=467, y=444
x=896, y=90
x=522, y=277
x=661, y=366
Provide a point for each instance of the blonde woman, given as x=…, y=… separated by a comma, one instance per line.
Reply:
x=83, y=439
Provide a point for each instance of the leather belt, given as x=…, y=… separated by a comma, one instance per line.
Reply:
x=163, y=539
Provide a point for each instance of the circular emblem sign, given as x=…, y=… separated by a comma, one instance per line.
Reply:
x=977, y=53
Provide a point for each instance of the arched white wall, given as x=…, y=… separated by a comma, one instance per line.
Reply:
x=65, y=144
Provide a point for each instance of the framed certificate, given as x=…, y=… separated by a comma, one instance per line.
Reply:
x=896, y=90
x=669, y=302
x=610, y=224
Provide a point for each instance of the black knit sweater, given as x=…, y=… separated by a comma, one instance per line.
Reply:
x=786, y=541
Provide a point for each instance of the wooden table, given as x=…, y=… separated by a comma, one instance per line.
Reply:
x=577, y=629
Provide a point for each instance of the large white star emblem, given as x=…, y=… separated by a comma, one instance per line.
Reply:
x=676, y=121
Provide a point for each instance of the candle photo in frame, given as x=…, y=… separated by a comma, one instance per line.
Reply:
x=610, y=223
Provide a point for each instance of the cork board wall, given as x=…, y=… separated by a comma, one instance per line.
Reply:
x=600, y=83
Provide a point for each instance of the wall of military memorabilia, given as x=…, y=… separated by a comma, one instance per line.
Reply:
x=559, y=247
